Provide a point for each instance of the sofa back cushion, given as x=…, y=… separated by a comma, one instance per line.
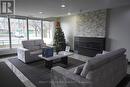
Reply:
x=105, y=58
x=32, y=45
x=109, y=74
x=101, y=60
x=38, y=42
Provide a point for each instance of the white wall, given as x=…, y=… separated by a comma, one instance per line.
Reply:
x=68, y=25
x=118, y=29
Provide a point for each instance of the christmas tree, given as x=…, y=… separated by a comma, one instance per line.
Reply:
x=59, y=38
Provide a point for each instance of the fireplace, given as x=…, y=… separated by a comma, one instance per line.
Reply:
x=89, y=46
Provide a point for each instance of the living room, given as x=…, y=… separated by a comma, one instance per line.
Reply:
x=94, y=51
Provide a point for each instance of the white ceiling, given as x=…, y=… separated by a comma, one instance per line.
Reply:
x=51, y=8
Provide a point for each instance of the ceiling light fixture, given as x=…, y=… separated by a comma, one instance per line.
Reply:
x=68, y=13
x=63, y=6
x=41, y=12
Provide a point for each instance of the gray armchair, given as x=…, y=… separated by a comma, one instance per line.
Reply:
x=30, y=50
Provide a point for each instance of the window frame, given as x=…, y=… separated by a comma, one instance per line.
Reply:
x=27, y=25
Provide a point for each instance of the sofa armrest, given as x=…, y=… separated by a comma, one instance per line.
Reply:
x=22, y=49
x=23, y=54
x=61, y=77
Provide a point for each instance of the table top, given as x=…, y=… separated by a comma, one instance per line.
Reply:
x=61, y=54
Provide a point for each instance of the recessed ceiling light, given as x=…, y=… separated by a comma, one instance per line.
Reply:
x=63, y=6
x=41, y=12
x=68, y=13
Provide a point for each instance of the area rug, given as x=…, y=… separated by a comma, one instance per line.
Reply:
x=36, y=72
x=8, y=78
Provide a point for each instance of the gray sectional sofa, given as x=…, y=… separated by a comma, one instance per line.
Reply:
x=105, y=70
x=30, y=50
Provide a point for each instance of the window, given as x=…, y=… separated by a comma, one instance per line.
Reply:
x=48, y=28
x=11, y=37
x=4, y=33
x=18, y=32
x=34, y=29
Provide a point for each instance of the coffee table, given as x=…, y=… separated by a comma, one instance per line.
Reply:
x=63, y=55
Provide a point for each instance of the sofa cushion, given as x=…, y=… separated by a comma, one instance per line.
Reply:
x=36, y=52
x=78, y=69
x=105, y=58
x=38, y=42
x=103, y=52
x=27, y=44
x=85, y=69
x=100, y=60
x=32, y=45
x=35, y=47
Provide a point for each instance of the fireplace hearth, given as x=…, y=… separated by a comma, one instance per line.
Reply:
x=89, y=46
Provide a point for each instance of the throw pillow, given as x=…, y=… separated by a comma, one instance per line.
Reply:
x=85, y=70
x=98, y=54
x=104, y=52
x=78, y=69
